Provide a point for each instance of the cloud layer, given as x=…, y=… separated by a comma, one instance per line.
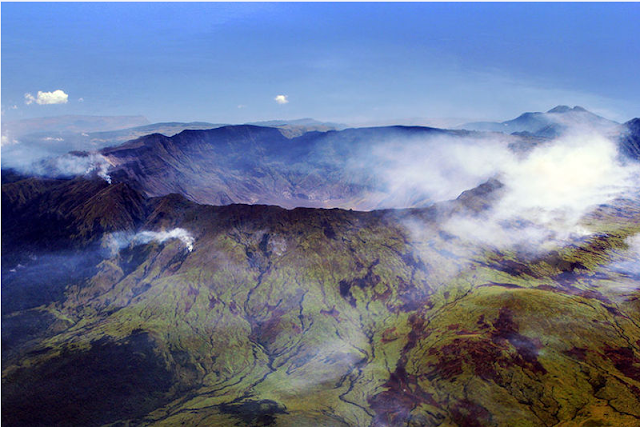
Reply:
x=47, y=98
x=547, y=190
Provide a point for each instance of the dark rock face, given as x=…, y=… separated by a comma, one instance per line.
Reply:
x=630, y=139
x=91, y=387
x=257, y=165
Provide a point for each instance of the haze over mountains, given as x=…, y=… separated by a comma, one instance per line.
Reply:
x=483, y=278
x=550, y=124
x=310, y=164
x=70, y=124
x=30, y=140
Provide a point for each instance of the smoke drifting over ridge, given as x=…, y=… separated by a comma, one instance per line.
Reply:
x=119, y=240
x=627, y=263
x=434, y=168
x=67, y=165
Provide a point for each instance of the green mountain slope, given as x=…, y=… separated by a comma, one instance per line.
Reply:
x=316, y=317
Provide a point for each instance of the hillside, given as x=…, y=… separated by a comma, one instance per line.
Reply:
x=481, y=279
x=352, y=168
x=311, y=316
x=28, y=141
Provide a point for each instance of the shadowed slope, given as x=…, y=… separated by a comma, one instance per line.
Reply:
x=256, y=165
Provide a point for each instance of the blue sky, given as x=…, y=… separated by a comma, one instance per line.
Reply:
x=347, y=62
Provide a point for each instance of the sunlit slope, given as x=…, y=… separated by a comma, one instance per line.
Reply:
x=333, y=317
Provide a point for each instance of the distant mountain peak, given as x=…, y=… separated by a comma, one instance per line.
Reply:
x=567, y=109
x=545, y=125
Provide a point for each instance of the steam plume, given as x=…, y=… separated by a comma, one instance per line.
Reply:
x=119, y=240
x=67, y=165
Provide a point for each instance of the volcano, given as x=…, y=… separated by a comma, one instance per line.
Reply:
x=221, y=278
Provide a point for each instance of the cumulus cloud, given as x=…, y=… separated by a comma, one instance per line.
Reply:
x=281, y=99
x=120, y=240
x=47, y=98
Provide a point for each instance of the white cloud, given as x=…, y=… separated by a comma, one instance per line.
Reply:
x=547, y=190
x=6, y=140
x=47, y=98
x=80, y=99
x=570, y=175
x=439, y=168
x=281, y=99
x=547, y=193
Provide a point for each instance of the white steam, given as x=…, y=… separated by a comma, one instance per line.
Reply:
x=553, y=188
x=120, y=240
x=567, y=176
x=69, y=165
x=547, y=190
x=181, y=234
x=435, y=169
x=547, y=194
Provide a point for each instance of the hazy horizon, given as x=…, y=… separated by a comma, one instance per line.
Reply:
x=348, y=63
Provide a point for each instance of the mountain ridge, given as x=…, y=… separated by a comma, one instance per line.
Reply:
x=274, y=306
x=126, y=302
x=549, y=125
x=316, y=169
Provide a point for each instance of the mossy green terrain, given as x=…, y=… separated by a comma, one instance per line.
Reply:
x=311, y=317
